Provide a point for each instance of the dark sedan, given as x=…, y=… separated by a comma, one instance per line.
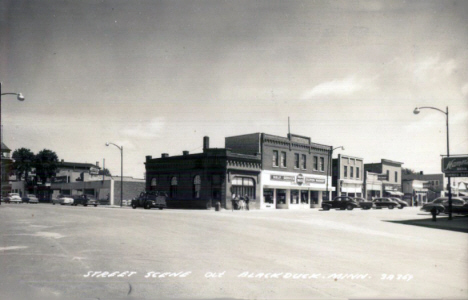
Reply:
x=459, y=206
x=385, y=202
x=437, y=204
x=341, y=202
x=364, y=203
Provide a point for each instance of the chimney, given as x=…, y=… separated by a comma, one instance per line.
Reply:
x=97, y=164
x=148, y=157
x=206, y=143
x=185, y=152
x=164, y=155
x=421, y=173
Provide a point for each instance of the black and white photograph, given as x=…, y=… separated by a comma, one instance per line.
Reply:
x=234, y=149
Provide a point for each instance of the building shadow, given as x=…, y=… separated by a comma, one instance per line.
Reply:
x=458, y=223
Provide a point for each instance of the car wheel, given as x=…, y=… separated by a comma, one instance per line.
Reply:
x=147, y=206
x=349, y=207
x=391, y=207
x=85, y=204
x=401, y=207
x=438, y=211
x=160, y=208
x=95, y=205
x=134, y=205
x=326, y=207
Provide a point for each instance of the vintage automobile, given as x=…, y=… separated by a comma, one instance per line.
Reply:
x=84, y=200
x=63, y=200
x=150, y=199
x=437, y=204
x=459, y=206
x=13, y=198
x=30, y=198
x=341, y=202
x=385, y=202
x=401, y=203
x=364, y=203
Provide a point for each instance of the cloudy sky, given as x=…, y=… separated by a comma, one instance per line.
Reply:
x=157, y=76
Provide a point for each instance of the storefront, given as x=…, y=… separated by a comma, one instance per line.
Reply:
x=373, y=186
x=392, y=190
x=287, y=190
x=351, y=188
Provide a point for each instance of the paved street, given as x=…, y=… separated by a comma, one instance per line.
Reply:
x=61, y=251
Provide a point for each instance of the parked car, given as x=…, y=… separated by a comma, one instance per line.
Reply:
x=30, y=198
x=13, y=198
x=401, y=203
x=150, y=199
x=437, y=203
x=84, y=200
x=63, y=200
x=459, y=206
x=364, y=203
x=385, y=202
x=341, y=202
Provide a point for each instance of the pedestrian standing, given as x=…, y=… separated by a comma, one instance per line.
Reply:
x=233, y=201
x=434, y=214
x=246, y=199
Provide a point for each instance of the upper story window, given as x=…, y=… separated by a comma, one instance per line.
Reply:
x=396, y=176
x=304, y=161
x=345, y=171
x=173, y=191
x=388, y=175
x=315, y=163
x=153, y=183
x=358, y=172
x=322, y=164
x=283, y=159
x=296, y=160
x=351, y=172
x=275, y=158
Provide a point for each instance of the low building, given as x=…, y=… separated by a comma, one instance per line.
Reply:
x=6, y=165
x=433, y=186
x=372, y=185
x=389, y=172
x=416, y=191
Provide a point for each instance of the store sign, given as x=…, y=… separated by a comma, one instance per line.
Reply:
x=382, y=177
x=426, y=185
x=60, y=179
x=300, y=179
x=455, y=166
x=314, y=180
x=282, y=178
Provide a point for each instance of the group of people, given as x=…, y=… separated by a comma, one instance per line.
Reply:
x=238, y=202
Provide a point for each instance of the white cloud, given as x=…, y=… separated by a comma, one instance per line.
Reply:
x=343, y=87
x=431, y=68
x=464, y=90
x=145, y=130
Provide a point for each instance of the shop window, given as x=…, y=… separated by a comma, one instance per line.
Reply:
x=351, y=172
x=304, y=161
x=173, y=191
x=268, y=196
x=281, y=196
x=294, y=197
x=242, y=186
x=314, y=197
x=322, y=164
x=345, y=171
x=283, y=159
x=296, y=160
x=196, y=186
x=315, y=163
x=275, y=158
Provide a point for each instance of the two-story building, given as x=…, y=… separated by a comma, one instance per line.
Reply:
x=425, y=187
x=275, y=172
x=348, y=176
x=389, y=172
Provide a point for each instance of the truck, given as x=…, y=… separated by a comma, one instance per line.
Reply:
x=150, y=199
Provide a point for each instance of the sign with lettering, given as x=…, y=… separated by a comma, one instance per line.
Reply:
x=300, y=179
x=455, y=166
x=382, y=177
x=282, y=178
x=427, y=185
x=314, y=180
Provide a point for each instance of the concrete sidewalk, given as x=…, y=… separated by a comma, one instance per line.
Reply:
x=458, y=223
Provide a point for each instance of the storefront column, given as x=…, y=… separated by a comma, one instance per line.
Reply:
x=320, y=198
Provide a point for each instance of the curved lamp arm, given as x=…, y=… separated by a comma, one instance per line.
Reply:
x=417, y=110
x=107, y=144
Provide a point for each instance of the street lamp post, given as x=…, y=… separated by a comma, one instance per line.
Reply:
x=329, y=164
x=446, y=113
x=20, y=97
x=121, y=170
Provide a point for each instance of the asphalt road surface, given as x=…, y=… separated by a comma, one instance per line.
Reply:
x=56, y=252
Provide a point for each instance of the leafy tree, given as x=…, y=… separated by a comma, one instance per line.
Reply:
x=46, y=163
x=407, y=171
x=23, y=162
x=105, y=172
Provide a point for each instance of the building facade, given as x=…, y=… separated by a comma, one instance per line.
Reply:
x=389, y=172
x=275, y=172
x=348, y=176
x=6, y=165
x=373, y=186
x=433, y=186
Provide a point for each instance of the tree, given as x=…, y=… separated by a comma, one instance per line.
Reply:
x=406, y=171
x=23, y=162
x=105, y=172
x=46, y=163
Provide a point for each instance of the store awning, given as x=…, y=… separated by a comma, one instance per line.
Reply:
x=463, y=193
x=394, y=193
